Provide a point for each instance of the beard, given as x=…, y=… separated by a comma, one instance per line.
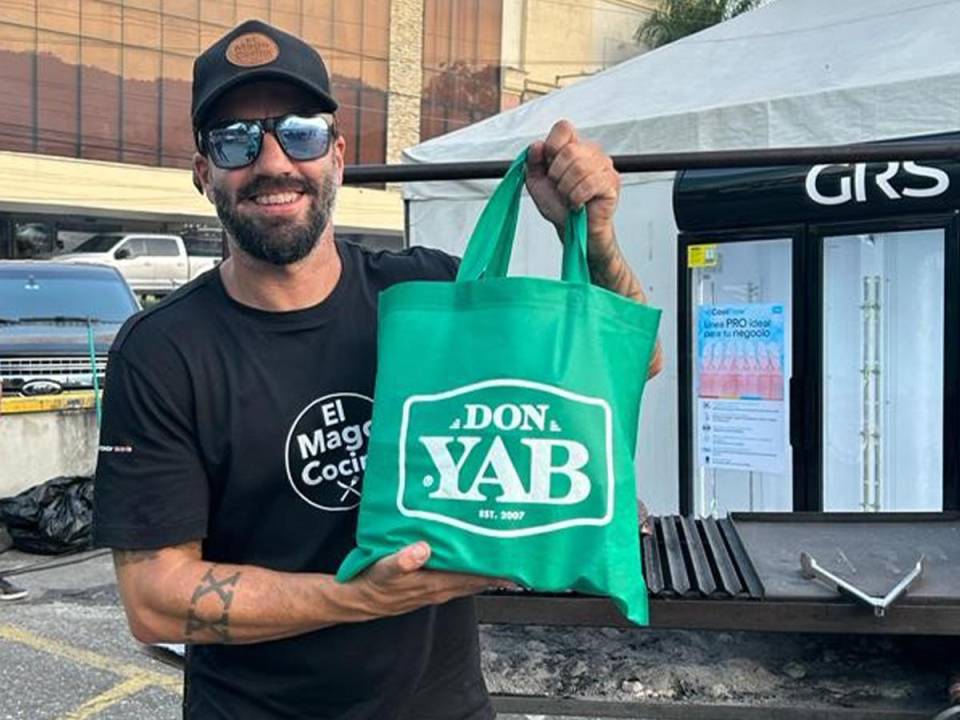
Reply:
x=277, y=241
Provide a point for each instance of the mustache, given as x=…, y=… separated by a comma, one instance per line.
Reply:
x=264, y=184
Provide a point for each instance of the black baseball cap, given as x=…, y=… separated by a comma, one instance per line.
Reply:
x=252, y=51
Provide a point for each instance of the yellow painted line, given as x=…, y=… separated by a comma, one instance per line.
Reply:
x=70, y=400
x=130, y=686
x=90, y=659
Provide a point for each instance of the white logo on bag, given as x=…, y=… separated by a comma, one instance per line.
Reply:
x=326, y=450
x=522, y=473
x=542, y=471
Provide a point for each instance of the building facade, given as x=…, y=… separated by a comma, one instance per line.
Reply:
x=95, y=96
x=549, y=44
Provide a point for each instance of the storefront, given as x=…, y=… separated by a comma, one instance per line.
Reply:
x=818, y=309
x=49, y=205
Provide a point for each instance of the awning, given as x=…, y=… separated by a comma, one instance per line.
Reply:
x=45, y=184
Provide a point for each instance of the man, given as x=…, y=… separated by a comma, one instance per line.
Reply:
x=220, y=397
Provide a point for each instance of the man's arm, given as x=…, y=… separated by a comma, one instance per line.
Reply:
x=173, y=595
x=565, y=172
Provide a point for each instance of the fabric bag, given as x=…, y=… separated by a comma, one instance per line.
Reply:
x=505, y=420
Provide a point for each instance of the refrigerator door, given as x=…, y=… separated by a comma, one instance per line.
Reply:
x=883, y=380
x=741, y=342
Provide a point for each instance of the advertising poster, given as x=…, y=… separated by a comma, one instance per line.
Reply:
x=741, y=387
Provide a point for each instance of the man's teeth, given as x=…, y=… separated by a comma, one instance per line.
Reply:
x=276, y=199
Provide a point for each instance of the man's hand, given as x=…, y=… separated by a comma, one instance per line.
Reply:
x=565, y=173
x=397, y=583
x=172, y=594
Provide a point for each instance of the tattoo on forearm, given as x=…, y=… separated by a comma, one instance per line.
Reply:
x=123, y=558
x=612, y=272
x=218, y=626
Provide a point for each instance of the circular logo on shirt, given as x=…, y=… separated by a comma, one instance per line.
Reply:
x=327, y=450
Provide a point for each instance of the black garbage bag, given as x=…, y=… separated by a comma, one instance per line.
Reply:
x=53, y=518
x=6, y=542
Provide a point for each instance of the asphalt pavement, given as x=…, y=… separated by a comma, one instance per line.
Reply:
x=66, y=653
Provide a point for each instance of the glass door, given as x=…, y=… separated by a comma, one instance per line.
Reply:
x=741, y=347
x=883, y=371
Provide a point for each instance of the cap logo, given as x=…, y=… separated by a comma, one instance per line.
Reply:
x=252, y=50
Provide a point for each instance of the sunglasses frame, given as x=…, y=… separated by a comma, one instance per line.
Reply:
x=268, y=125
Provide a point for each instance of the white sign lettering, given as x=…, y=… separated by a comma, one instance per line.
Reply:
x=855, y=189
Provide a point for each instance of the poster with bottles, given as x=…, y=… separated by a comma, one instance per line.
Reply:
x=741, y=387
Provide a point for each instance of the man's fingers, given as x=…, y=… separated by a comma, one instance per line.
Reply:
x=562, y=163
x=535, y=156
x=398, y=583
x=464, y=583
x=578, y=162
x=413, y=557
x=589, y=187
x=560, y=135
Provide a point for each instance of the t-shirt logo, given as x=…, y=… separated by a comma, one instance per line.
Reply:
x=327, y=450
x=507, y=458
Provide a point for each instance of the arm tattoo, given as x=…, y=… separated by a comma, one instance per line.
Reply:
x=612, y=272
x=219, y=626
x=123, y=558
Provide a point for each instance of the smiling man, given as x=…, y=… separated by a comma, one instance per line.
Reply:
x=243, y=404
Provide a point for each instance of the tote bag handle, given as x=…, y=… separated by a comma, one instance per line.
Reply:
x=490, y=245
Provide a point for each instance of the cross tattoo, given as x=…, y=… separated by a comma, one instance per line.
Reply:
x=217, y=586
x=223, y=589
x=219, y=627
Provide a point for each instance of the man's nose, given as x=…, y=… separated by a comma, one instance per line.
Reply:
x=272, y=160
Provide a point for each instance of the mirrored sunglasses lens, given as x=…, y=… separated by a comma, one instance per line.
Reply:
x=235, y=145
x=304, y=138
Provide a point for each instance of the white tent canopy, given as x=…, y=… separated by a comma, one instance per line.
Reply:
x=795, y=72
x=792, y=73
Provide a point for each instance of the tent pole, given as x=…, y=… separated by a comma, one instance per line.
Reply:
x=659, y=162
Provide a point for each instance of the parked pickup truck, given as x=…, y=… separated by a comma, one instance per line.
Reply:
x=150, y=263
x=50, y=313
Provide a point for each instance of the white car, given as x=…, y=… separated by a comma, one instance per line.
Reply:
x=150, y=263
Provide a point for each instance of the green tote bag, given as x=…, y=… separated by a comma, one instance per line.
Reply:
x=505, y=420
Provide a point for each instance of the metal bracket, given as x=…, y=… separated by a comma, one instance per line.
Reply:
x=813, y=571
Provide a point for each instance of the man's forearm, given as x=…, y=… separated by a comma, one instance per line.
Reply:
x=196, y=601
x=609, y=269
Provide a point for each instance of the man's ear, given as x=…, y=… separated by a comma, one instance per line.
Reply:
x=201, y=174
x=339, y=148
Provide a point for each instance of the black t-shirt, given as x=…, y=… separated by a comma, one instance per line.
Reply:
x=248, y=429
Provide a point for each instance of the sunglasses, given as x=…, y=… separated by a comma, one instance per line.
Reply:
x=234, y=144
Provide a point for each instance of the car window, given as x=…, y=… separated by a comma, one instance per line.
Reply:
x=166, y=247
x=100, y=296
x=134, y=246
x=98, y=243
x=204, y=247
